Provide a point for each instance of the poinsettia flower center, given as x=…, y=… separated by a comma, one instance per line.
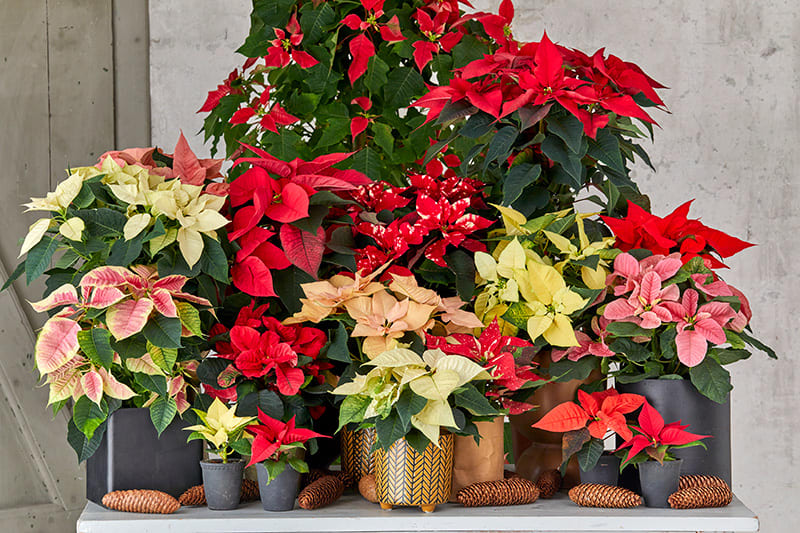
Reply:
x=372, y=20
x=287, y=44
x=548, y=90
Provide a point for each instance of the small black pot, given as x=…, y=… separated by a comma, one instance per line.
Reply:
x=281, y=492
x=659, y=481
x=679, y=400
x=131, y=455
x=605, y=472
x=222, y=483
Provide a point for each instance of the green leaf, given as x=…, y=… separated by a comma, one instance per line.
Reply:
x=337, y=349
x=83, y=446
x=590, y=454
x=274, y=468
x=517, y=179
x=566, y=370
x=38, y=259
x=287, y=284
x=627, y=329
x=14, y=276
x=158, y=230
x=134, y=346
x=96, y=344
x=568, y=128
x=713, y=381
x=163, y=331
x=570, y=163
x=165, y=358
x=473, y=401
x=418, y=441
x=384, y=137
x=755, y=343
x=102, y=222
x=518, y=314
x=335, y=132
x=666, y=340
x=322, y=79
x=408, y=405
x=633, y=351
x=190, y=318
x=214, y=262
x=403, y=86
x=467, y=51
x=123, y=252
x=500, y=145
x=162, y=412
x=726, y=356
x=157, y=384
x=375, y=78
x=606, y=149
x=315, y=22
x=368, y=162
x=463, y=266
x=531, y=200
x=271, y=404
x=477, y=125
x=352, y=410
x=390, y=429
x=88, y=416
x=298, y=465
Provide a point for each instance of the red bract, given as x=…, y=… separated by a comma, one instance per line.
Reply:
x=284, y=49
x=498, y=26
x=453, y=223
x=223, y=89
x=267, y=119
x=673, y=233
x=599, y=412
x=435, y=31
x=361, y=46
x=271, y=434
x=653, y=436
x=360, y=122
x=495, y=352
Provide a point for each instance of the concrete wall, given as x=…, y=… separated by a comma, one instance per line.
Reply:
x=730, y=142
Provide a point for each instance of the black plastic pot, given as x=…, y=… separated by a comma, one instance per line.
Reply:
x=281, y=492
x=659, y=481
x=222, y=484
x=679, y=400
x=605, y=472
x=132, y=456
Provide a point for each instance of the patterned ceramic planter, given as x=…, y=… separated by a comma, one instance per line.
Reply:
x=358, y=459
x=407, y=478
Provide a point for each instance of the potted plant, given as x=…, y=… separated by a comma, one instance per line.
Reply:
x=483, y=459
x=407, y=398
x=275, y=446
x=673, y=324
x=223, y=431
x=586, y=426
x=651, y=451
x=127, y=298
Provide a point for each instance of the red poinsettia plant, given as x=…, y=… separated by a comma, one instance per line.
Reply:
x=653, y=440
x=587, y=424
x=503, y=357
x=275, y=444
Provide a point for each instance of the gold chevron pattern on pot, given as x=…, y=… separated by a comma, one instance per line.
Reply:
x=358, y=459
x=408, y=478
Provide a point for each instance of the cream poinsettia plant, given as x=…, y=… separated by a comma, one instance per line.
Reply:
x=405, y=391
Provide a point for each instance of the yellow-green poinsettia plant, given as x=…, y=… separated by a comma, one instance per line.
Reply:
x=543, y=276
x=220, y=428
x=415, y=396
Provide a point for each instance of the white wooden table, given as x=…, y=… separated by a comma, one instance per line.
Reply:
x=354, y=514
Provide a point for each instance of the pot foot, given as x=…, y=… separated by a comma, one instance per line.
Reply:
x=386, y=506
x=427, y=508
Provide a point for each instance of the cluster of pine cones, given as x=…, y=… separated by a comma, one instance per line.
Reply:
x=695, y=492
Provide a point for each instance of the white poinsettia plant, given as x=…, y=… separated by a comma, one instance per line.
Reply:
x=414, y=396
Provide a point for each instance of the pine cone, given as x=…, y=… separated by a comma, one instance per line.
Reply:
x=509, y=474
x=697, y=497
x=596, y=495
x=699, y=480
x=511, y=491
x=313, y=475
x=197, y=495
x=193, y=496
x=320, y=493
x=548, y=483
x=368, y=488
x=141, y=501
x=346, y=478
x=250, y=492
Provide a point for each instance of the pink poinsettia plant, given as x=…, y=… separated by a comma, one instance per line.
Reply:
x=275, y=444
x=653, y=440
x=87, y=350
